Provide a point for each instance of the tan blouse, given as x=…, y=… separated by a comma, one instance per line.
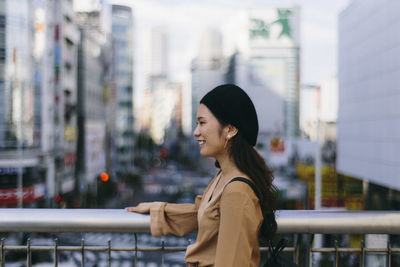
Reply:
x=228, y=225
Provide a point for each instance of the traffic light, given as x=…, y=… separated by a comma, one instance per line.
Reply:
x=59, y=200
x=163, y=153
x=104, y=177
x=106, y=188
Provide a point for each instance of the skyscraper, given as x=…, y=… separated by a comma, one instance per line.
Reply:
x=273, y=67
x=122, y=46
x=38, y=90
x=91, y=100
x=20, y=89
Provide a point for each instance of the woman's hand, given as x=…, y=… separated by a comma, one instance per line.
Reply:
x=143, y=208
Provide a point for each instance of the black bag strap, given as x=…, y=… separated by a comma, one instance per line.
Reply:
x=244, y=180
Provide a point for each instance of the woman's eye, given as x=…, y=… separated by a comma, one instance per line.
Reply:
x=201, y=122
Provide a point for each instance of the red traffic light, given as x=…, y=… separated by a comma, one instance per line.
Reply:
x=163, y=153
x=57, y=198
x=104, y=177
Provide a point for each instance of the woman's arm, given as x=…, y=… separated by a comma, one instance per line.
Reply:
x=168, y=218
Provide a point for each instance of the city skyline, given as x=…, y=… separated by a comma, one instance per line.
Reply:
x=318, y=34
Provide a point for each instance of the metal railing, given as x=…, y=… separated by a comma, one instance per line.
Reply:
x=296, y=222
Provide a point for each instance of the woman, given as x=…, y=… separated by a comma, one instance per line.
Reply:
x=229, y=216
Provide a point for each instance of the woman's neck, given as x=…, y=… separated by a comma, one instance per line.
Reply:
x=228, y=166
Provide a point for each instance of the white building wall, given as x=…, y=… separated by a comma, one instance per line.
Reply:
x=369, y=92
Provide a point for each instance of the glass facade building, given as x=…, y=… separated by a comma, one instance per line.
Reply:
x=18, y=83
x=21, y=81
x=122, y=44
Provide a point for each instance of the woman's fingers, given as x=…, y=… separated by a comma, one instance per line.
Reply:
x=141, y=208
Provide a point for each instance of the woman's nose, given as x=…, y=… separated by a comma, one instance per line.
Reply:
x=196, y=131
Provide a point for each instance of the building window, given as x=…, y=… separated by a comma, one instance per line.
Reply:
x=2, y=54
x=2, y=21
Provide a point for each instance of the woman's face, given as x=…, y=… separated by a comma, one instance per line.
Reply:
x=209, y=133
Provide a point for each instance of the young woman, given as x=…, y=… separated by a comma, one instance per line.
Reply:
x=229, y=217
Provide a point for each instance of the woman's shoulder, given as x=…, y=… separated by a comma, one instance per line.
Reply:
x=239, y=195
x=240, y=188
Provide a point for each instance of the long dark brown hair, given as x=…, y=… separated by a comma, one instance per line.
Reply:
x=250, y=162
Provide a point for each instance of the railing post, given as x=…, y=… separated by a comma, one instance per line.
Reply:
x=55, y=252
x=389, y=254
x=136, y=249
x=296, y=248
x=310, y=250
x=2, y=263
x=28, y=253
x=83, y=252
x=109, y=254
x=162, y=253
x=362, y=253
x=336, y=254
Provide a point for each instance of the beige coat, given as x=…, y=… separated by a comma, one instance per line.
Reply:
x=228, y=226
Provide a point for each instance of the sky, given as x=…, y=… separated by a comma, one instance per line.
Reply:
x=186, y=20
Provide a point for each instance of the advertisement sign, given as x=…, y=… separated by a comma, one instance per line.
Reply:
x=277, y=145
x=274, y=27
x=95, y=149
x=30, y=194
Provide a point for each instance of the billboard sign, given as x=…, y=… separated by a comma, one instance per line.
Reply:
x=9, y=196
x=274, y=27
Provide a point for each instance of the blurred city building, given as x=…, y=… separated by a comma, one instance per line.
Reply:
x=368, y=123
x=20, y=110
x=369, y=96
x=93, y=81
x=165, y=98
x=122, y=46
x=161, y=111
x=208, y=68
x=159, y=52
x=39, y=82
x=269, y=70
x=273, y=62
x=368, y=115
x=38, y=117
x=65, y=90
x=319, y=102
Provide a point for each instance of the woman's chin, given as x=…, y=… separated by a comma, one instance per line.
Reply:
x=204, y=153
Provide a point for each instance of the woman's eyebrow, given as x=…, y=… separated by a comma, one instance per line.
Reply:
x=200, y=117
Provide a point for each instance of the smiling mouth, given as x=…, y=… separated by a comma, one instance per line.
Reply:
x=201, y=142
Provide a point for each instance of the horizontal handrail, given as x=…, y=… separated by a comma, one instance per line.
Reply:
x=72, y=220
x=119, y=220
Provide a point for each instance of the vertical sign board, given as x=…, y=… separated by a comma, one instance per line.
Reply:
x=95, y=147
x=274, y=63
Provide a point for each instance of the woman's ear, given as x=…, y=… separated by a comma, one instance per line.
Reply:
x=231, y=131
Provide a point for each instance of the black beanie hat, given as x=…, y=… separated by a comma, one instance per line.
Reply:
x=230, y=104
